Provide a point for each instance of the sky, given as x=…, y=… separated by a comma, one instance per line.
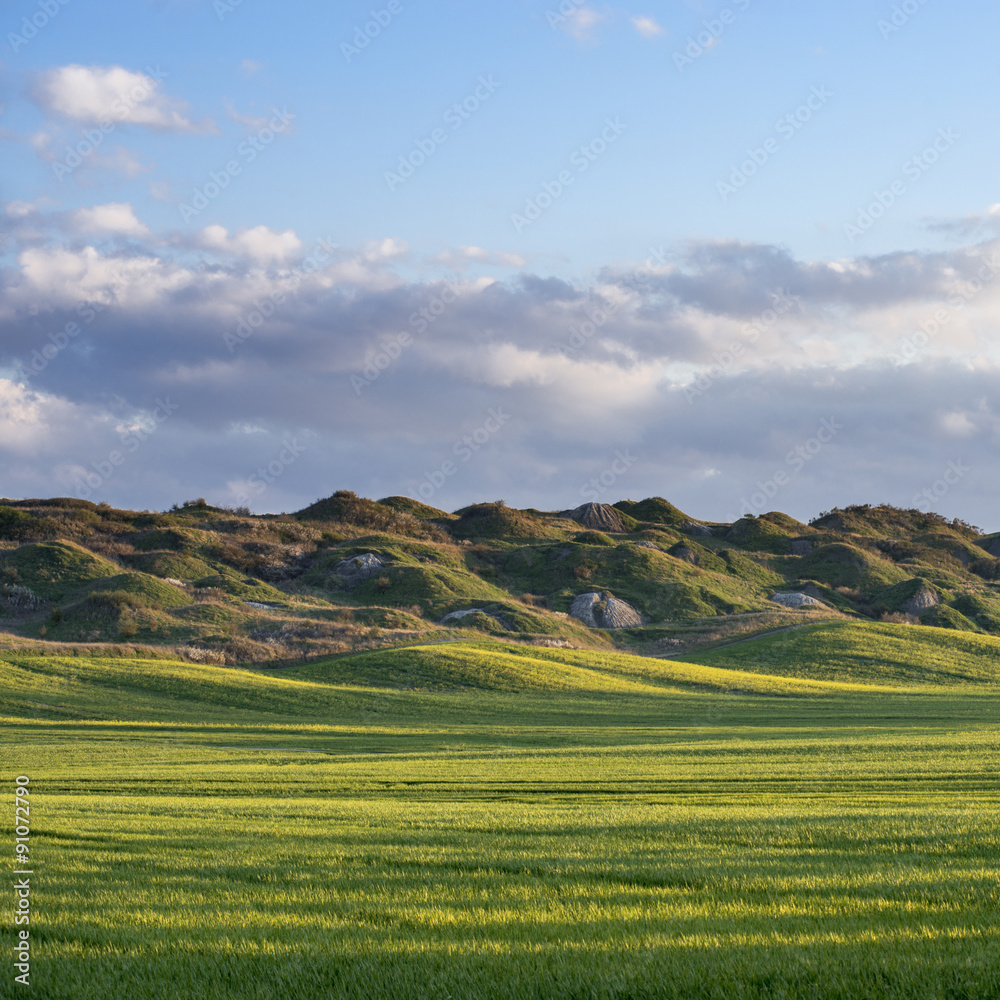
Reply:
x=743, y=256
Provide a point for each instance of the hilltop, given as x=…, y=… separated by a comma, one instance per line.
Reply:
x=348, y=574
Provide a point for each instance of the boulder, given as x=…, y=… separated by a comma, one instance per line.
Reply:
x=620, y=614
x=583, y=608
x=688, y=555
x=798, y=600
x=598, y=517
x=696, y=530
x=357, y=569
x=601, y=610
x=801, y=547
x=648, y=545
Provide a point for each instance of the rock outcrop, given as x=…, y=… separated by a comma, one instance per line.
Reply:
x=458, y=616
x=601, y=610
x=688, y=555
x=598, y=517
x=801, y=547
x=357, y=569
x=798, y=600
x=922, y=600
x=696, y=530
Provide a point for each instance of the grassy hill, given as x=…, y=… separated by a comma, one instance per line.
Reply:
x=224, y=586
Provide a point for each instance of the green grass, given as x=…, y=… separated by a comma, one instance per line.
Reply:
x=869, y=653
x=484, y=820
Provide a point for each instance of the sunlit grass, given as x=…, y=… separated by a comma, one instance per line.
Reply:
x=664, y=830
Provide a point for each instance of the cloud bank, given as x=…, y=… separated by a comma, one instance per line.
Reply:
x=733, y=376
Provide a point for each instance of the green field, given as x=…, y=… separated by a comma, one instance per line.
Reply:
x=809, y=814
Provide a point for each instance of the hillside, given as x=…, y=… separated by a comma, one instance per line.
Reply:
x=348, y=574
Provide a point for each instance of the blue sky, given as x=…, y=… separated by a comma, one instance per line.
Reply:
x=701, y=161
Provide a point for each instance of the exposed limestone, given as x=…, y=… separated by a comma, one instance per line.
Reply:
x=798, y=600
x=620, y=614
x=922, y=600
x=601, y=610
x=458, y=616
x=359, y=568
x=583, y=608
x=696, y=530
x=599, y=517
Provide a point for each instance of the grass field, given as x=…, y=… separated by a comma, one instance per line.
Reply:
x=479, y=821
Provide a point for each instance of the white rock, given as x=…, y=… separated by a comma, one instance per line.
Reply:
x=797, y=601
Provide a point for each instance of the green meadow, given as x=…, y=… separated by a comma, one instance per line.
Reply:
x=480, y=820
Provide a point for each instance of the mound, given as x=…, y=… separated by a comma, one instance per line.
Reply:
x=147, y=590
x=884, y=519
x=54, y=570
x=867, y=653
x=421, y=511
x=654, y=510
x=497, y=520
x=842, y=565
x=346, y=507
x=762, y=534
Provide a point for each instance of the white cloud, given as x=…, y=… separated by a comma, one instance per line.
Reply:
x=112, y=93
x=23, y=209
x=35, y=423
x=115, y=217
x=648, y=27
x=580, y=22
x=599, y=365
x=386, y=249
x=260, y=244
x=459, y=259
